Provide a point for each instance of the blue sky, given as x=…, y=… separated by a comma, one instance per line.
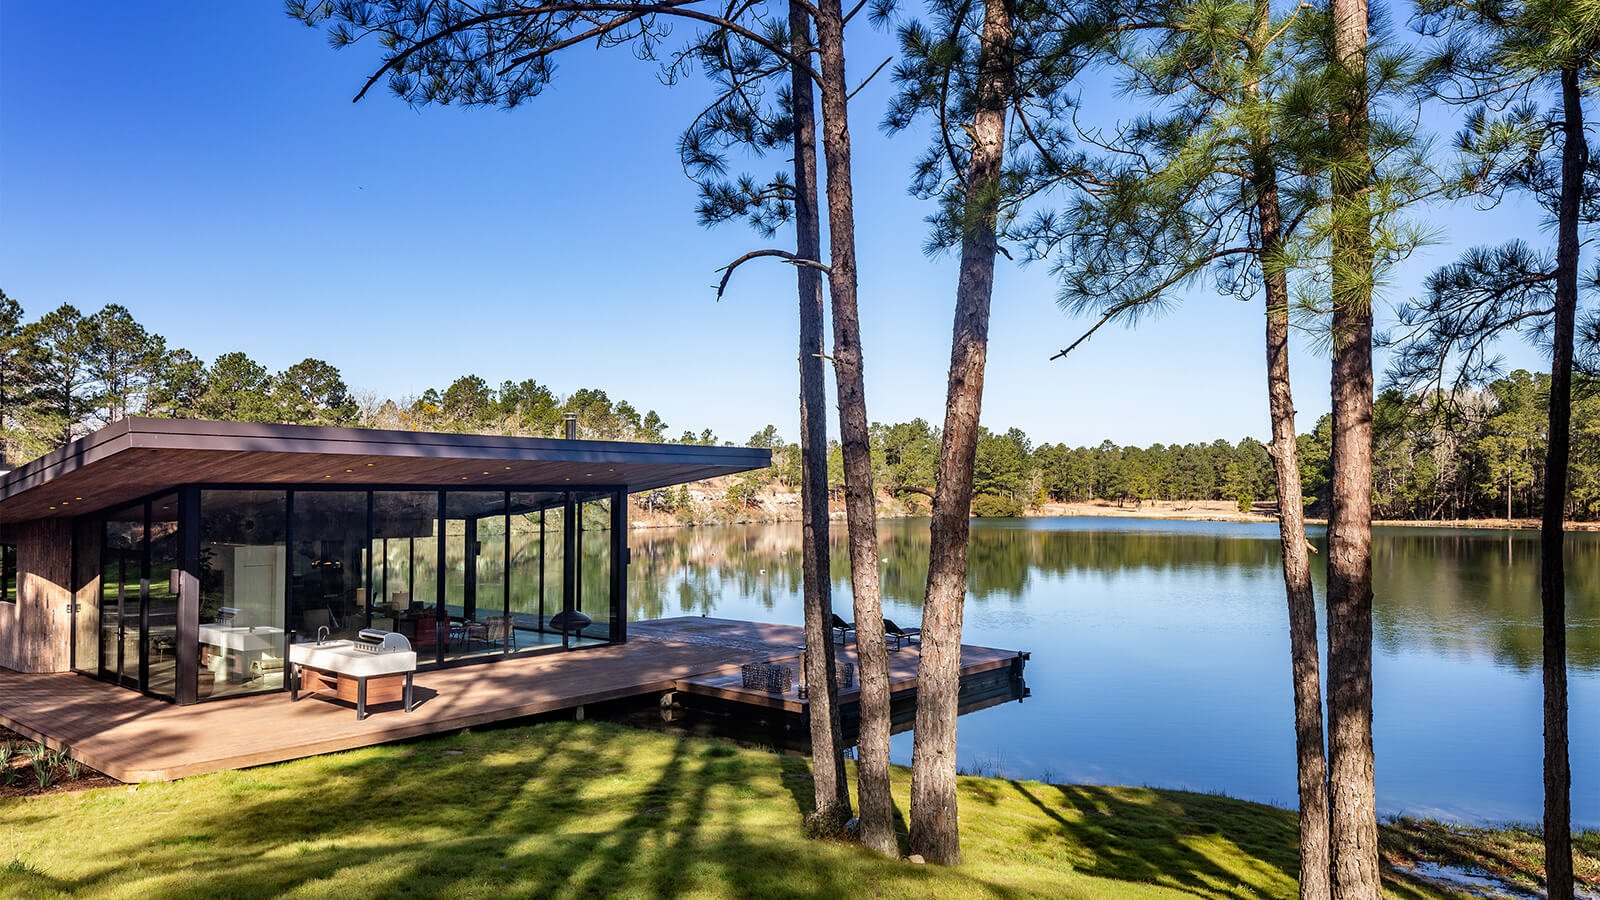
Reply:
x=202, y=164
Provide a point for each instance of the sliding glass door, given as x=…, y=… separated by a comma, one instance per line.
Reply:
x=122, y=554
x=138, y=610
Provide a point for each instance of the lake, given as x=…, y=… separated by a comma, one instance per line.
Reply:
x=1161, y=651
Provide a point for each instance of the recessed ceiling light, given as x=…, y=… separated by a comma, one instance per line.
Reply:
x=370, y=465
x=77, y=498
x=349, y=470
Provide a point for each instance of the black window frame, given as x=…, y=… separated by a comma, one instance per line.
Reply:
x=10, y=578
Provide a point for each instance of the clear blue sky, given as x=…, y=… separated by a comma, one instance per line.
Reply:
x=202, y=164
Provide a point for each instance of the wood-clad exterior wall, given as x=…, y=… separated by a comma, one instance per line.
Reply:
x=86, y=554
x=36, y=631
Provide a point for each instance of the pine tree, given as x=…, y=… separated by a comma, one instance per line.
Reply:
x=746, y=115
x=16, y=378
x=57, y=355
x=1497, y=58
x=123, y=359
x=992, y=77
x=1217, y=181
x=457, y=52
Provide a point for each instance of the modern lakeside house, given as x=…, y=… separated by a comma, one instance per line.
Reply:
x=181, y=558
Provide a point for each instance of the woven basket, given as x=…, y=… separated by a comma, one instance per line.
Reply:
x=767, y=677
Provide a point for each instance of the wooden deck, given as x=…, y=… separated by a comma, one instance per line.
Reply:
x=131, y=737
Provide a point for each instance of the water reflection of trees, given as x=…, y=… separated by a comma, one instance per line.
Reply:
x=1433, y=584
x=1454, y=592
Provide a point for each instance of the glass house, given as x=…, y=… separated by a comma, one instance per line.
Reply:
x=180, y=558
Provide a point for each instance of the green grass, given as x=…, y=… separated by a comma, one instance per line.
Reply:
x=590, y=809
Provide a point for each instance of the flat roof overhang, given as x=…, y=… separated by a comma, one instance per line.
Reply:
x=137, y=457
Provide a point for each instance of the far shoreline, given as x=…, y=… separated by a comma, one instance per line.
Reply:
x=1225, y=511
x=1164, y=510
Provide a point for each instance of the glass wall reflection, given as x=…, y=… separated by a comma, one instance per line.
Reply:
x=161, y=613
x=122, y=547
x=405, y=540
x=593, y=598
x=327, y=587
x=243, y=573
x=535, y=562
x=475, y=596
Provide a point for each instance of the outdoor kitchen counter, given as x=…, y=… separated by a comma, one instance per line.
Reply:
x=342, y=669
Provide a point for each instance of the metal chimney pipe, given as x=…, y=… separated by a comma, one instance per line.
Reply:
x=572, y=426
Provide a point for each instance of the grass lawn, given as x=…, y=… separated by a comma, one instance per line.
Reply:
x=590, y=809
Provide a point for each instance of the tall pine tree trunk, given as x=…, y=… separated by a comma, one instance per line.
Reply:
x=1354, y=822
x=827, y=745
x=872, y=763
x=934, y=827
x=1311, y=763
x=1552, y=535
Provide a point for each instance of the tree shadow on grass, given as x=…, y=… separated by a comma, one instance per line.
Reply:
x=1170, y=839
x=1204, y=844
x=587, y=809
x=551, y=810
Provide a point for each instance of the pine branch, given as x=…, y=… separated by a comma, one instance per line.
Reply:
x=786, y=256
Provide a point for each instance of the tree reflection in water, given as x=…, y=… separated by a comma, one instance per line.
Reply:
x=1447, y=591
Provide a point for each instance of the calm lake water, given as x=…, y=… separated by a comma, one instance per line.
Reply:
x=1161, y=653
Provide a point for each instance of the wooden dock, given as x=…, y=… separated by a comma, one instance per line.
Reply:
x=133, y=738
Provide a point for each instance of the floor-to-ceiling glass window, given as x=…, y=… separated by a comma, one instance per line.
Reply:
x=475, y=574
x=161, y=600
x=327, y=588
x=594, y=568
x=536, y=564
x=405, y=541
x=243, y=579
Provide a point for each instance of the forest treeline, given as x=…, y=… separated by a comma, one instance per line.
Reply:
x=1478, y=456
x=68, y=372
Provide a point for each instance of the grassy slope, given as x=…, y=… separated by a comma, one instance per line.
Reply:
x=587, y=809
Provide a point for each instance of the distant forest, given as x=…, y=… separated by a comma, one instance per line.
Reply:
x=1473, y=454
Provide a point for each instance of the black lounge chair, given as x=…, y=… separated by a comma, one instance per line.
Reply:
x=843, y=628
x=898, y=637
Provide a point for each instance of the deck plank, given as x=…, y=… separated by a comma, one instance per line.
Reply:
x=133, y=738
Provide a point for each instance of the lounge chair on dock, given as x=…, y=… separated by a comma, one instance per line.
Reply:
x=843, y=628
x=898, y=637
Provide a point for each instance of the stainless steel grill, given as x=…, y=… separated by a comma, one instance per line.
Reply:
x=373, y=640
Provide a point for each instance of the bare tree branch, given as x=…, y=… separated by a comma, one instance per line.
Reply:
x=786, y=256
